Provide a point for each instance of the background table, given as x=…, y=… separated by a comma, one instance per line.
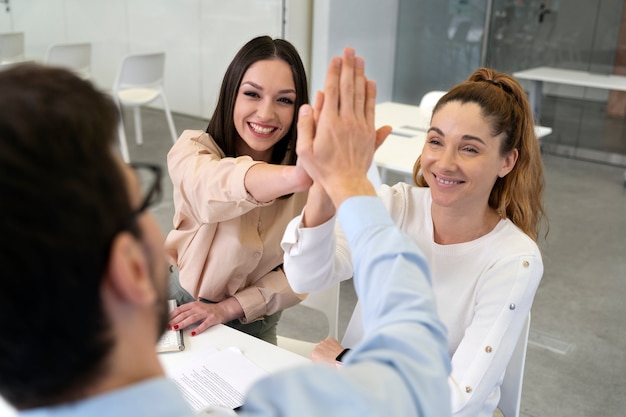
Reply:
x=402, y=147
x=537, y=76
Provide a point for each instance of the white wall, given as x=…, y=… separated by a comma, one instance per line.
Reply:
x=367, y=25
x=200, y=37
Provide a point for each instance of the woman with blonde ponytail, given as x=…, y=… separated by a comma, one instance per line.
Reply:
x=476, y=211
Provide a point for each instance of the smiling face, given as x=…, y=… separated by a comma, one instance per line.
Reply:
x=264, y=107
x=461, y=158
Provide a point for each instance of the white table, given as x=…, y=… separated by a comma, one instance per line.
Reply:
x=5, y=409
x=537, y=76
x=265, y=355
x=402, y=147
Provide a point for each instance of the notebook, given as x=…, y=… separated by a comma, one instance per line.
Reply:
x=172, y=340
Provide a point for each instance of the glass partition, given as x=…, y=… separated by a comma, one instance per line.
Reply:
x=439, y=43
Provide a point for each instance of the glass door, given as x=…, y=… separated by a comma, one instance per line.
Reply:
x=438, y=45
x=575, y=34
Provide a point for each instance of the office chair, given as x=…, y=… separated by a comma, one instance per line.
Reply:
x=139, y=82
x=511, y=388
x=11, y=47
x=73, y=56
x=430, y=99
x=325, y=301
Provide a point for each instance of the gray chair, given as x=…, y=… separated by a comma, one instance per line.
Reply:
x=430, y=99
x=325, y=301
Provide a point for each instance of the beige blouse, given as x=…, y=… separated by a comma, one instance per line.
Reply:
x=224, y=242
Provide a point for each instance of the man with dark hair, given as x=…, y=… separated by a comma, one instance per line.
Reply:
x=84, y=276
x=84, y=282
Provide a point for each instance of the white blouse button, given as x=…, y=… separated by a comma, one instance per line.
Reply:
x=526, y=264
x=468, y=389
x=512, y=306
x=488, y=349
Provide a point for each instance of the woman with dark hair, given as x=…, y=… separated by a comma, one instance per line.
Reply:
x=476, y=211
x=236, y=186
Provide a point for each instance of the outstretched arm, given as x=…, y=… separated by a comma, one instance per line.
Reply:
x=267, y=182
x=400, y=367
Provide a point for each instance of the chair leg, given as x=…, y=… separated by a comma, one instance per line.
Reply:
x=170, y=120
x=138, y=132
x=123, y=143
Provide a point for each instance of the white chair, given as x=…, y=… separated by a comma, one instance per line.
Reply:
x=430, y=99
x=73, y=56
x=511, y=388
x=325, y=301
x=11, y=47
x=139, y=82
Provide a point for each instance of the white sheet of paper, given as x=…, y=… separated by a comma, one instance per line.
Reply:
x=216, y=378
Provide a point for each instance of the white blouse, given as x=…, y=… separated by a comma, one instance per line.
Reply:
x=483, y=288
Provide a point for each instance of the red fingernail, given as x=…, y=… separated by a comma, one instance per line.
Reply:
x=176, y=327
x=193, y=333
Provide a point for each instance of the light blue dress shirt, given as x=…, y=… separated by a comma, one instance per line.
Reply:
x=399, y=369
x=401, y=366
x=156, y=397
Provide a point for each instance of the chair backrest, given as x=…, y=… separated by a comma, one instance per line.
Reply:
x=74, y=56
x=511, y=388
x=11, y=47
x=430, y=99
x=140, y=71
x=327, y=302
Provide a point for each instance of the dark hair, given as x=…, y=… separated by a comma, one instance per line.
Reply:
x=64, y=198
x=518, y=195
x=221, y=126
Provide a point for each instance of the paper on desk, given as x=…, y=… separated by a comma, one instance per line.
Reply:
x=216, y=378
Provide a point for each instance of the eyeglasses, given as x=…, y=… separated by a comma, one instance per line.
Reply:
x=149, y=177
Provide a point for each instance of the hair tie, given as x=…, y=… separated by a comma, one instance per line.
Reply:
x=504, y=87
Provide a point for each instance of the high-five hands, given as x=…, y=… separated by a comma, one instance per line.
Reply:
x=337, y=140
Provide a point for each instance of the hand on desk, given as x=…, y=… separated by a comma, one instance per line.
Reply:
x=206, y=314
x=327, y=351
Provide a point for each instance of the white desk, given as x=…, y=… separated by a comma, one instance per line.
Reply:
x=402, y=147
x=537, y=76
x=267, y=356
x=400, y=150
x=5, y=409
